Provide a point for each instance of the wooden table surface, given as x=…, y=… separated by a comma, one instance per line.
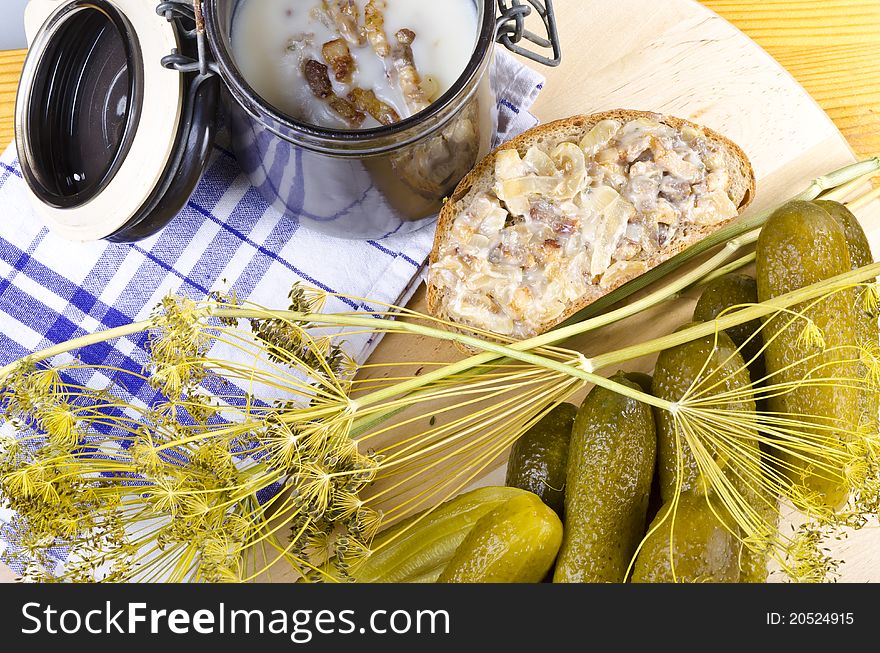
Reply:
x=832, y=47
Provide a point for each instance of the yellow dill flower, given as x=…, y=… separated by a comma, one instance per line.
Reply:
x=237, y=528
x=314, y=485
x=146, y=457
x=870, y=360
x=214, y=458
x=24, y=482
x=219, y=563
x=197, y=505
x=367, y=523
x=171, y=379
x=46, y=381
x=283, y=445
x=319, y=547
x=60, y=423
x=167, y=496
x=811, y=337
x=346, y=505
x=48, y=493
x=871, y=299
x=351, y=552
x=10, y=448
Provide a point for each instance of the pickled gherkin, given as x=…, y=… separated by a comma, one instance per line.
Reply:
x=711, y=367
x=611, y=464
x=681, y=372
x=418, y=549
x=725, y=293
x=539, y=459
x=867, y=331
x=801, y=244
x=687, y=543
x=856, y=240
x=641, y=379
x=515, y=543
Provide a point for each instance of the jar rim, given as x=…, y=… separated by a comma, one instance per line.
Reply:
x=49, y=51
x=324, y=139
x=159, y=100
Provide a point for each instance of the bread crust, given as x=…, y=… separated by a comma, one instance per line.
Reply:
x=741, y=173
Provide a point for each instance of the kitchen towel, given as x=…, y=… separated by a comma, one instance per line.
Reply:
x=227, y=238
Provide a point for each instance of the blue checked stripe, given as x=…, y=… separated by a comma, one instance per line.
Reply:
x=385, y=250
x=9, y=170
x=509, y=105
x=170, y=269
x=271, y=255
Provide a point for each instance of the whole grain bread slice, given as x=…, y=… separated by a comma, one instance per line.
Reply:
x=481, y=179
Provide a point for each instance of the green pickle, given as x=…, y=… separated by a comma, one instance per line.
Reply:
x=724, y=293
x=611, y=464
x=677, y=370
x=867, y=330
x=539, y=459
x=515, y=543
x=641, y=379
x=418, y=549
x=690, y=545
x=856, y=240
x=802, y=244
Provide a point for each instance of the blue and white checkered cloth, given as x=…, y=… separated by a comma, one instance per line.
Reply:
x=227, y=238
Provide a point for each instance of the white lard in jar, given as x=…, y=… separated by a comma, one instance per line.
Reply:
x=353, y=64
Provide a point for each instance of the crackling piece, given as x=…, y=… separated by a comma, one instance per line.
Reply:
x=366, y=100
x=338, y=56
x=409, y=78
x=346, y=15
x=374, y=23
x=318, y=77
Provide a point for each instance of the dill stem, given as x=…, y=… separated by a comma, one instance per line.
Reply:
x=864, y=200
x=733, y=266
x=78, y=343
x=769, y=307
x=843, y=191
x=499, y=350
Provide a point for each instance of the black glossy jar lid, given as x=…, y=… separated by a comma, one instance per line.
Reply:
x=111, y=142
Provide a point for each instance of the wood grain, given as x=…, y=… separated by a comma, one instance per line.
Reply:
x=831, y=47
x=11, y=62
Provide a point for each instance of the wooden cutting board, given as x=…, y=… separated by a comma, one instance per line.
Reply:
x=680, y=58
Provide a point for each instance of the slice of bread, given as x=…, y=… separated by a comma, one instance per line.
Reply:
x=740, y=189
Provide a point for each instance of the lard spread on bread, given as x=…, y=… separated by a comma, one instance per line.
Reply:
x=562, y=221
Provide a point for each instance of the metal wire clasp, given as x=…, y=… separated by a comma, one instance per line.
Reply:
x=187, y=14
x=511, y=29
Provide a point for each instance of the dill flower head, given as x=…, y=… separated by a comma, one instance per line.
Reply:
x=178, y=344
x=187, y=489
x=870, y=296
x=804, y=458
x=809, y=560
x=289, y=343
